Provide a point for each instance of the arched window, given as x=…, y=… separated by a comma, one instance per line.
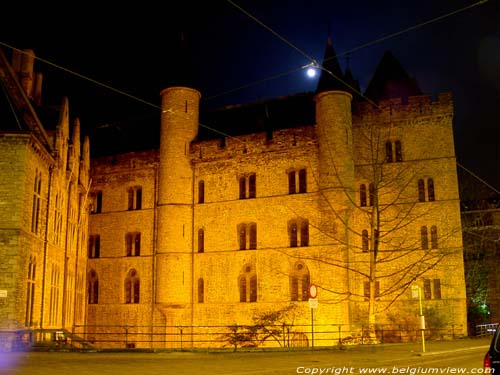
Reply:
x=93, y=288
x=247, y=284
x=424, y=237
x=434, y=237
x=430, y=190
x=201, y=191
x=299, y=282
x=201, y=240
x=132, y=287
x=201, y=290
x=362, y=195
x=365, y=244
x=421, y=190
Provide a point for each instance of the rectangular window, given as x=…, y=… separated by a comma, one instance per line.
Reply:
x=201, y=192
x=302, y=181
x=291, y=183
x=242, y=188
x=252, y=189
x=437, y=288
x=253, y=236
x=366, y=288
x=427, y=289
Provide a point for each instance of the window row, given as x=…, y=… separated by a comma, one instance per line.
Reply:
x=424, y=238
x=131, y=287
x=298, y=233
x=425, y=192
x=132, y=245
x=297, y=183
x=431, y=290
x=134, y=200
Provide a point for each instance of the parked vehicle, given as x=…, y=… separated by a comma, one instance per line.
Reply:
x=492, y=357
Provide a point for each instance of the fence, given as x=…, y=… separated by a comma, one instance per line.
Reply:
x=485, y=329
x=258, y=336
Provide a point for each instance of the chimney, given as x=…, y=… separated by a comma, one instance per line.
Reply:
x=22, y=63
x=37, y=90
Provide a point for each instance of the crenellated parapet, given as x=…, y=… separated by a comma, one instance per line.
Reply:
x=256, y=143
x=397, y=109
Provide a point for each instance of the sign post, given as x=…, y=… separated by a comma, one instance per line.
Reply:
x=416, y=292
x=313, y=303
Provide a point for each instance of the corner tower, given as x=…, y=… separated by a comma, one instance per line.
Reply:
x=179, y=126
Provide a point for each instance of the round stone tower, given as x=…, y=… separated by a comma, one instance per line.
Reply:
x=334, y=131
x=179, y=126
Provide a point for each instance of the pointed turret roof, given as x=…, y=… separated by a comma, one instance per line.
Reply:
x=390, y=80
x=328, y=82
x=354, y=88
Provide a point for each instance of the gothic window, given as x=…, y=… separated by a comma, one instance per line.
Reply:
x=247, y=236
x=302, y=181
x=201, y=290
x=96, y=207
x=37, y=197
x=201, y=240
x=421, y=190
x=424, y=239
x=299, y=282
x=94, y=246
x=301, y=175
x=362, y=195
x=365, y=243
x=434, y=237
x=298, y=231
x=366, y=287
x=133, y=244
x=388, y=152
x=93, y=288
x=430, y=190
x=201, y=191
x=30, y=293
x=135, y=198
x=132, y=286
x=247, y=284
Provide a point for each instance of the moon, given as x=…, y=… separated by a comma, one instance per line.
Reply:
x=311, y=72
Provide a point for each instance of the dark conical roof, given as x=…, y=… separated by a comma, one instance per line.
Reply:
x=328, y=82
x=353, y=83
x=390, y=80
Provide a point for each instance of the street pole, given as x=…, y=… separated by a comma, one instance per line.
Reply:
x=422, y=319
x=312, y=329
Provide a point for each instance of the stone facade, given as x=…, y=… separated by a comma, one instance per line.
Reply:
x=230, y=229
x=44, y=220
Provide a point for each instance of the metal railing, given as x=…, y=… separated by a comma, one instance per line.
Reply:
x=485, y=329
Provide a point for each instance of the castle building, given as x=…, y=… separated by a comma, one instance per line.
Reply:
x=235, y=215
x=44, y=184
x=214, y=229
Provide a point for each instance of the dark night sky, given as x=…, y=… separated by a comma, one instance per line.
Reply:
x=135, y=49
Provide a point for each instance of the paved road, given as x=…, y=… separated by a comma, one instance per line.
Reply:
x=406, y=359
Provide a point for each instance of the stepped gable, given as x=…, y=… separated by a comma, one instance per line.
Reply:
x=391, y=81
